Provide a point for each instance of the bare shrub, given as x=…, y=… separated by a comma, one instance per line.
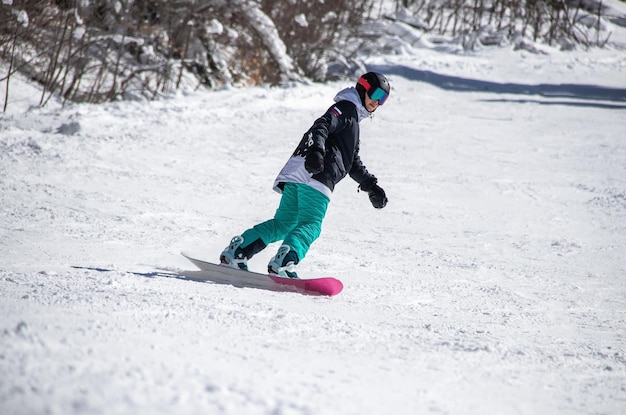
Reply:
x=555, y=22
x=98, y=50
x=318, y=33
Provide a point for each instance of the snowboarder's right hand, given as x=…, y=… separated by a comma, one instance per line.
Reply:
x=314, y=162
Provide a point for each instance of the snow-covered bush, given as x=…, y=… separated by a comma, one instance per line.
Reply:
x=566, y=23
x=96, y=50
x=319, y=34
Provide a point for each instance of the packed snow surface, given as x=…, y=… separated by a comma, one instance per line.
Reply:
x=494, y=282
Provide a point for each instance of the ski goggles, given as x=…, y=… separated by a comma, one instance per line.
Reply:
x=378, y=94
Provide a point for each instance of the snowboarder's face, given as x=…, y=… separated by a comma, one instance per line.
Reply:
x=370, y=104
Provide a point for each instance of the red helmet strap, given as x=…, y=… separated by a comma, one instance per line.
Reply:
x=365, y=84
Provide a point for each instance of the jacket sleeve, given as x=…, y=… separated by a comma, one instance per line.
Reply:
x=360, y=174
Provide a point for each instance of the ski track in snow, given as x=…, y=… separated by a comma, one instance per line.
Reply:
x=493, y=283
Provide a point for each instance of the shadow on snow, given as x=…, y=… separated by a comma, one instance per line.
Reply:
x=459, y=84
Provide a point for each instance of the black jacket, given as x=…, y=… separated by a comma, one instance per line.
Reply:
x=336, y=135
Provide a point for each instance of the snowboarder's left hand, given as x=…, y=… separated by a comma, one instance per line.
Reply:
x=377, y=197
x=375, y=192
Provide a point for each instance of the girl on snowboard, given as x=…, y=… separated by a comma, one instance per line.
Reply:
x=327, y=153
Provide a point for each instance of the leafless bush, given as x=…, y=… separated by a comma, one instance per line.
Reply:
x=318, y=33
x=98, y=50
x=563, y=22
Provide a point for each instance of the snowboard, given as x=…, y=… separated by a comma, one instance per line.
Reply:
x=238, y=277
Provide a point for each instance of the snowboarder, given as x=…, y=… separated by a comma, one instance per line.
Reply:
x=327, y=153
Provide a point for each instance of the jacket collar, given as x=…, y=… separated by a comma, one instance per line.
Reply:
x=352, y=95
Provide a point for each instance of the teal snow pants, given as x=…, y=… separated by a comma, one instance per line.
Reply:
x=297, y=222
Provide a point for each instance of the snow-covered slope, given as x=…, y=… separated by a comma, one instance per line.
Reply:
x=493, y=283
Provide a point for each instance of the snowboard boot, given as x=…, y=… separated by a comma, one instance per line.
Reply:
x=233, y=256
x=284, y=263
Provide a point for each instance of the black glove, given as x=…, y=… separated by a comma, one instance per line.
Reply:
x=314, y=162
x=377, y=197
x=375, y=192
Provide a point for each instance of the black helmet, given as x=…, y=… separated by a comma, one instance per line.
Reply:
x=375, y=85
